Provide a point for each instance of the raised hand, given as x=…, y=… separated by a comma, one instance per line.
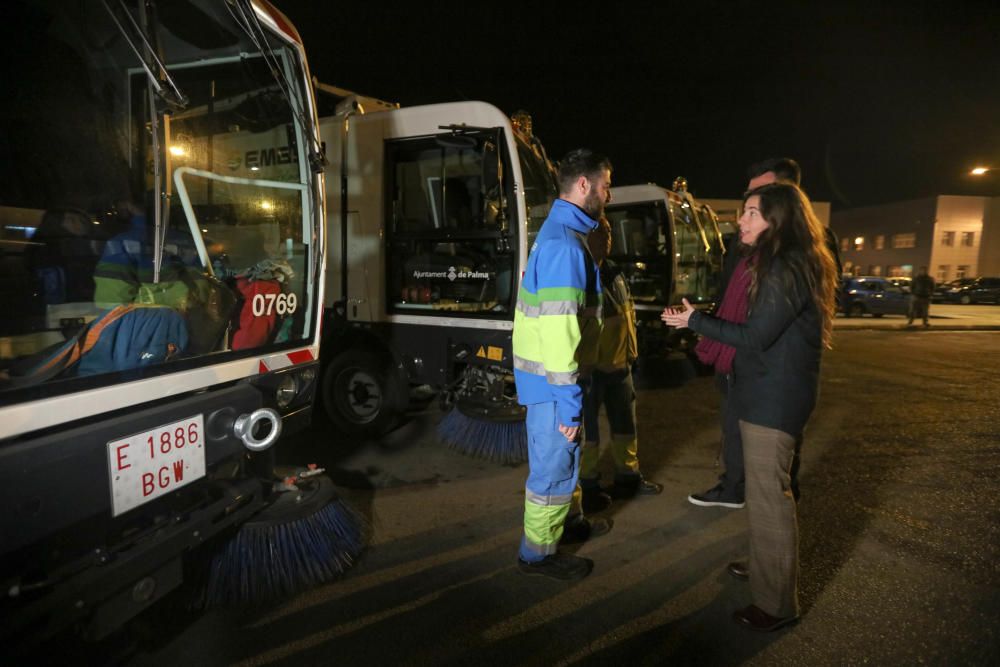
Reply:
x=677, y=317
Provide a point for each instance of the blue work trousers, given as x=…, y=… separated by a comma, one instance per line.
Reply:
x=553, y=466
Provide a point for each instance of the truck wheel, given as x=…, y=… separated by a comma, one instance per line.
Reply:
x=358, y=394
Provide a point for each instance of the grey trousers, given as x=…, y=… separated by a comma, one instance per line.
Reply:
x=774, y=531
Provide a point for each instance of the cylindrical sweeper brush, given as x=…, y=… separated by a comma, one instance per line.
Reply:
x=304, y=538
x=484, y=419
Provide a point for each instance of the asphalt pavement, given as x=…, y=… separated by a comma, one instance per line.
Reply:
x=899, y=537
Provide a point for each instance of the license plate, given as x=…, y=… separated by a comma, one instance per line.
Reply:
x=148, y=465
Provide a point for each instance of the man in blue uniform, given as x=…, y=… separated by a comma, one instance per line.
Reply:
x=558, y=305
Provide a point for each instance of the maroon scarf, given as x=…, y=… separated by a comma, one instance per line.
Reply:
x=733, y=308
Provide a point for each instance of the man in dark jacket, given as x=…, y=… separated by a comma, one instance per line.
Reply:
x=920, y=300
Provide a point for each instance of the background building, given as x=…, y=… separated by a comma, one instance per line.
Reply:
x=953, y=236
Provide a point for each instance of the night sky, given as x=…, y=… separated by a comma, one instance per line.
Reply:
x=878, y=101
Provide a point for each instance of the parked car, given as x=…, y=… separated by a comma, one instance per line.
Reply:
x=903, y=282
x=982, y=289
x=941, y=290
x=874, y=295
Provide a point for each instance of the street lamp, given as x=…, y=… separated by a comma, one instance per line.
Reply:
x=979, y=171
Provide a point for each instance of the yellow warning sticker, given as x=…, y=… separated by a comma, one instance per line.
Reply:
x=495, y=353
x=482, y=352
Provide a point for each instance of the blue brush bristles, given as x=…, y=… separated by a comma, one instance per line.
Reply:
x=501, y=442
x=267, y=561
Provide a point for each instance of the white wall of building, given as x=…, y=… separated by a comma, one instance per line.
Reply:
x=958, y=232
x=989, y=249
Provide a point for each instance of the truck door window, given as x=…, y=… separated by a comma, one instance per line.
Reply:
x=449, y=248
x=640, y=247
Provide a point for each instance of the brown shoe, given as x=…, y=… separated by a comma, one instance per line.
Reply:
x=753, y=618
x=739, y=570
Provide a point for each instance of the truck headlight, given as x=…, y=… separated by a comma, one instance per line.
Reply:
x=286, y=392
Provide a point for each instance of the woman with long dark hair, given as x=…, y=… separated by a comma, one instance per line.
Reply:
x=789, y=281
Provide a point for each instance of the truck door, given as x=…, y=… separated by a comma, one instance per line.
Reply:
x=451, y=250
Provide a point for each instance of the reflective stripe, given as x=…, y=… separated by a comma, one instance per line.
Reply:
x=545, y=501
x=561, y=378
x=533, y=367
x=559, y=308
x=527, y=310
x=539, y=550
x=538, y=368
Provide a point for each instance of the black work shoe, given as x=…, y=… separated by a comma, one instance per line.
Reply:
x=565, y=567
x=582, y=529
x=639, y=487
x=595, y=501
x=716, y=497
x=739, y=570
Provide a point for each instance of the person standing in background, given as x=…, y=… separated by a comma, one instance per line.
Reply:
x=611, y=385
x=920, y=299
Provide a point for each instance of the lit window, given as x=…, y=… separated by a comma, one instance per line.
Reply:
x=880, y=241
x=906, y=240
x=875, y=270
x=942, y=273
x=948, y=239
x=859, y=243
x=845, y=244
x=968, y=239
x=961, y=270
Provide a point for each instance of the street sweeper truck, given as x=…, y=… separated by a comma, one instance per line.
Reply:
x=436, y=208
x=669, y=247
x=161, y=270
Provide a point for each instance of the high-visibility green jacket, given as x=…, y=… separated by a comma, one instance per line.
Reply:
x=617, y=347
x=558, y=305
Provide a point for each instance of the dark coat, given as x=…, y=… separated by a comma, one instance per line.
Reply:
x=778, y=349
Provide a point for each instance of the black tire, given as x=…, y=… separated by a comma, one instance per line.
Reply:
x=965, y=300
x=855, y=310
x=877, y=314
x=360, y=394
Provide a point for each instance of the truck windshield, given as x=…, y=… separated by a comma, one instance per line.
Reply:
x=448, y=238
x=94, y=291
x=642, y=248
